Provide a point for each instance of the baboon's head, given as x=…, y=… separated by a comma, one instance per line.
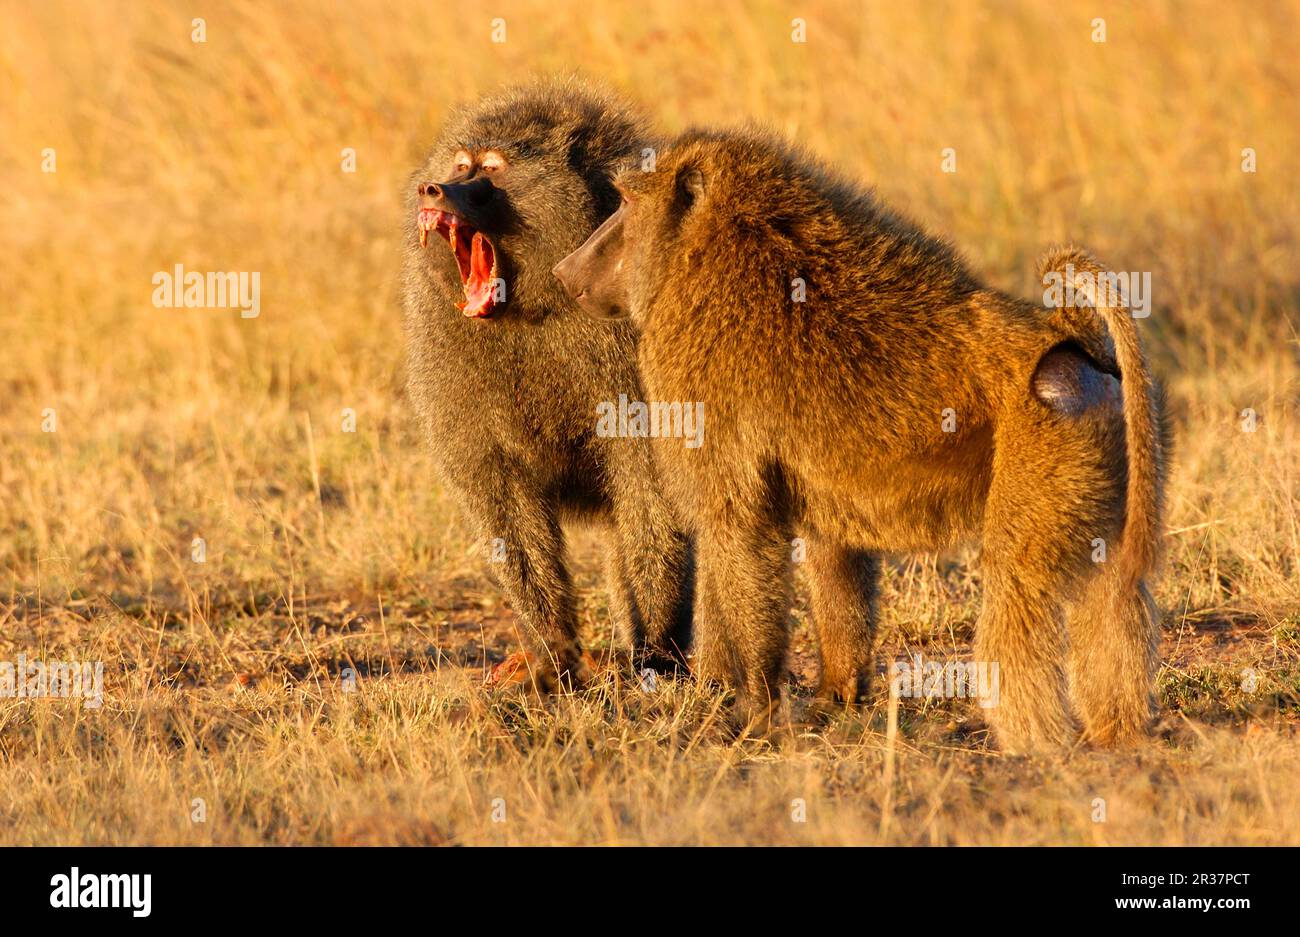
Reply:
x=718, y=208
x=515, y=183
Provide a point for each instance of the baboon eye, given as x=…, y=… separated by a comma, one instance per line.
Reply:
x=461, y=162
x=492, y=163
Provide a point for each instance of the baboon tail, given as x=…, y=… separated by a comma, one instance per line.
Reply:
x=1139, y=546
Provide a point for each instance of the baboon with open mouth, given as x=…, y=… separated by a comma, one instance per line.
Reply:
x=506, y=374
x=863, y=385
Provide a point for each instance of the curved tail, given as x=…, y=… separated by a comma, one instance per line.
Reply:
x=1139, y=547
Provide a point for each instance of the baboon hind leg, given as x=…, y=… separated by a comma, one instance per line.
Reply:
x=713, y=657
x=1112, y=623
x=1046, y=502
x=1020, y=631
x=1114, y=634
x=844, y=585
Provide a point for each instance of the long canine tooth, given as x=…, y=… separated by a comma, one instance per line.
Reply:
x=452, y=237
x=424, y=236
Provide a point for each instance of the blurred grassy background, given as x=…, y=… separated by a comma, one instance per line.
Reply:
x=226, y=155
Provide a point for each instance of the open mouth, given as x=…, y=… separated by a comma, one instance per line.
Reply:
x=476, y=259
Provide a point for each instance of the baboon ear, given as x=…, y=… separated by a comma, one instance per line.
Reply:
x=690, y=186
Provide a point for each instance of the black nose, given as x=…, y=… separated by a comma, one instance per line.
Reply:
x=456, y=196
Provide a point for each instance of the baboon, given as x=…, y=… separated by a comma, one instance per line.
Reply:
x=506, y=374
x=862, y=385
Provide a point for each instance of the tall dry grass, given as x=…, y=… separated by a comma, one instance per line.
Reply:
x=327, y=549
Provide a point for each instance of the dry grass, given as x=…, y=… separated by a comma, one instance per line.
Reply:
x=329, y=550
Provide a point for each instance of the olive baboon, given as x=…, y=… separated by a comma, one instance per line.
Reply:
x=861, y=384
x=506, y=374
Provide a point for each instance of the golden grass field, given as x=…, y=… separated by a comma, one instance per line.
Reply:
x=329, y=550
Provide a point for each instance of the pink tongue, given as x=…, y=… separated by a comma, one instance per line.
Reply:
x=478, y=286
x=478, y=264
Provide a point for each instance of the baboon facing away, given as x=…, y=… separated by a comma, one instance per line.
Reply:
x=506, y=374
x=862, y=385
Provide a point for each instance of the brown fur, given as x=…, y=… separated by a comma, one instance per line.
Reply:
x=827, y=416
x=508, y=403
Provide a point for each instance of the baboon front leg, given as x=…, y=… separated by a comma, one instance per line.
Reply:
x=844, y=585
x=744, y=575
x=650, y=579
x=1114, y=634
x=525, y=550
x=650, y=567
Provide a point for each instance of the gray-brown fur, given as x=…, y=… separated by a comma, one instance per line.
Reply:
x=508, y=403
x=828, y=416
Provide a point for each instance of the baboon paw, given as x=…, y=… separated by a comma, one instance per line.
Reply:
x=1039, y=740
x=517, y=670
x=526, y=670
x=842, y=692
x=1119, y=733
x=757, y=717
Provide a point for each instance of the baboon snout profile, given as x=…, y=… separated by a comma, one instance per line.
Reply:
x=462, y=210
x=593, y=274
x=864, y=387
